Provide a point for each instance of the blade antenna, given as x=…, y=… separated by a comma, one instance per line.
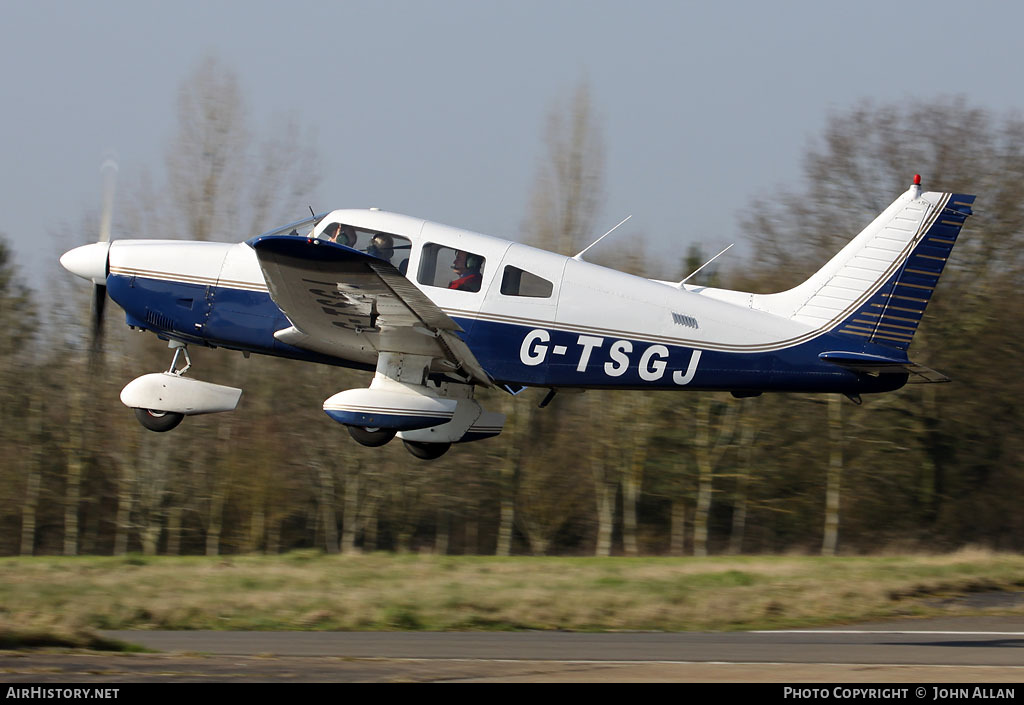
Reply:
x=680, y=284
x=580, y=255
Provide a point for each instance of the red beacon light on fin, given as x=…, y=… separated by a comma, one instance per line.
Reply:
x=915, y=190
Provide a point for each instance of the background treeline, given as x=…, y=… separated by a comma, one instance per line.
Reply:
x=600, y=473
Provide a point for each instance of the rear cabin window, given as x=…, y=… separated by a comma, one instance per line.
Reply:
x=519, y=282
x=449, y=268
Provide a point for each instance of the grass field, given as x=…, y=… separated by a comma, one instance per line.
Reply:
x=65, y=600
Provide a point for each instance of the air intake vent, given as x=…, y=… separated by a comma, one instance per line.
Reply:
x=159, y=320
x=684, y=320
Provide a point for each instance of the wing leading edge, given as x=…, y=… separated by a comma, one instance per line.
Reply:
x=349, y=304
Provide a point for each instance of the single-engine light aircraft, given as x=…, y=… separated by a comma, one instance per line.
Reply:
x=436, y=311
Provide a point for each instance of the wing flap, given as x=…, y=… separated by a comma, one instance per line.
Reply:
x=412, y=298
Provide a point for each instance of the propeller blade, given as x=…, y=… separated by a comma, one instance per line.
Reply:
x=99, y=304
x=109, y=171
x=91, y=261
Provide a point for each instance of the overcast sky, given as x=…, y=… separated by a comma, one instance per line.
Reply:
x=436, y=108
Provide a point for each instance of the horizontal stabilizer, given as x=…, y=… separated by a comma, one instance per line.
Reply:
x=879, y=364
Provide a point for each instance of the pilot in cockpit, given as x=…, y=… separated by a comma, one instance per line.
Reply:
x=341, y=234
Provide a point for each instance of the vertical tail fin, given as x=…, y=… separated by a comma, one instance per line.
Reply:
x=891, y=313
x=877, y=287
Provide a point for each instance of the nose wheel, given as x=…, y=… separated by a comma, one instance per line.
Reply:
x=161, y=400
x=157, y=419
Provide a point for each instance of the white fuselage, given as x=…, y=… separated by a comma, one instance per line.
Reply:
x=589, y=326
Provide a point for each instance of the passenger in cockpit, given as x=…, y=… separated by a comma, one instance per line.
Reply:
x=467, y=268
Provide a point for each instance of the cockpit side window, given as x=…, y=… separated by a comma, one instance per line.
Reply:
x=519, y=282
x=450, y=268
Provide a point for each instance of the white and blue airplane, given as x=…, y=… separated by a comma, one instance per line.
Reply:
x=437, y=311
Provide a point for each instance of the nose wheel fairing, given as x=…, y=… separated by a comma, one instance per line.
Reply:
x=168, y=392
x=162, y=399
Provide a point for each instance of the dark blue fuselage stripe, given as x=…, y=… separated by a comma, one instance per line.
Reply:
x=400, y=422
x=246, y=320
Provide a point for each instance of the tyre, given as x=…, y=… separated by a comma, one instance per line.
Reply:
x=159, y=421
x=371, y=437
x=427, y=451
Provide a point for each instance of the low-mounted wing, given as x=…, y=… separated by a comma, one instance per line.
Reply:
x=338, y=298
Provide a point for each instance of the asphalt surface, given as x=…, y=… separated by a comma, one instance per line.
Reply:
x=965, y=650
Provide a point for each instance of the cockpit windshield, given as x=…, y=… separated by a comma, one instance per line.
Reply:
x=300, y=228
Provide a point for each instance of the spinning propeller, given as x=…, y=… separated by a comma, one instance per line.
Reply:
x=90, y=261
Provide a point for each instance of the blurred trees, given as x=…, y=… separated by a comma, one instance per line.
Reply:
x=21, y=424
x=549, y=477
x=928, y=452
x=223, y=181
x=570, y=179
x=930, y=466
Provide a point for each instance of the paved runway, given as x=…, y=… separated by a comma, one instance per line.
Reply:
x=948, y=650
x=992, y=643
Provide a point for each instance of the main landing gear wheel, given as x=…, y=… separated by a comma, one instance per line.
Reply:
x=427, y=451
x=159, y=421
x=371, y=437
